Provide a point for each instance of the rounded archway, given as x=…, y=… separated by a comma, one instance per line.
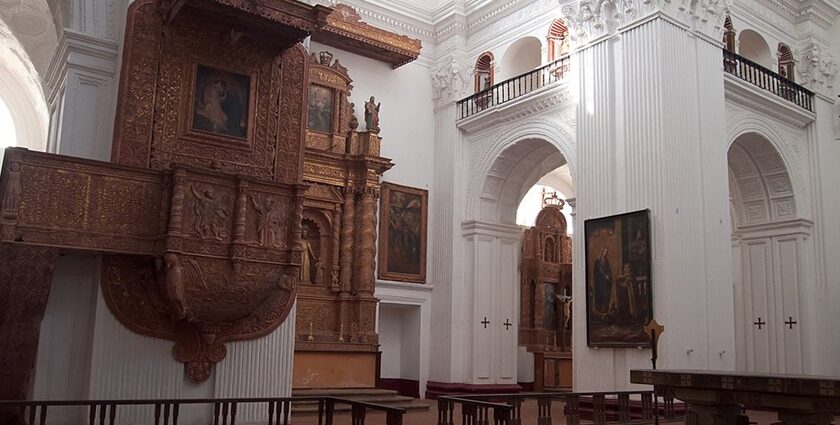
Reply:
x=752, y=46
x=772, y=268
x=522, y=56
x=22, y=94
x=513, y=172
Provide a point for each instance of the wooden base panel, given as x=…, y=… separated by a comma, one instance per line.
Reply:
x=324, y=369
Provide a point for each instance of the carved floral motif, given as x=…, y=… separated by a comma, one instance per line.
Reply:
x=817, y=68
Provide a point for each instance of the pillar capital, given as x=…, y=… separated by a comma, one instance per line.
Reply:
x=590, y=21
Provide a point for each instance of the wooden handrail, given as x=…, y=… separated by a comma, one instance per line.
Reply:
x=767, y=79
x=513, y=87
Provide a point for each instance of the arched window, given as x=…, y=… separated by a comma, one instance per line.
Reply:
x=785, y=61
x=728, y=34
x=484, y=72
x=558, y=40
x=753, y=46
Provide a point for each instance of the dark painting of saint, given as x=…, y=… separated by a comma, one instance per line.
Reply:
x=618, y=280
x=221, y=101
x=402, y=226
x=320, y=109
x=404, y=233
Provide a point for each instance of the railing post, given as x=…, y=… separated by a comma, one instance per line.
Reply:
x=623, y=407
x=516, y=411
x=669, y=406
x=446, y=410
x=501, y=416
x=468, y=412
x=393, y=418
x=647, y=405
x=543, y=411
x=357, y=415
x=599, y=414
x=330, y=410
x=573, y=410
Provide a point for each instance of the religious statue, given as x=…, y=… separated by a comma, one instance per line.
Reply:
x=209, y=215
x=270, y=215
x=307, y=258
x=354, y=122
x=372, y=114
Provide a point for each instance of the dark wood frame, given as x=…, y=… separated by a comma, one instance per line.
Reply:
x=385, y=218
x=228, y=140
x=646, y=214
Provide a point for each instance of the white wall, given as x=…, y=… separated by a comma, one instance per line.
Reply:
x=85, y=353
x=404, y=325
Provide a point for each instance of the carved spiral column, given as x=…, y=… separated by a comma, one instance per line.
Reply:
x=347, y=219
x=367, y=240
x=336, y=246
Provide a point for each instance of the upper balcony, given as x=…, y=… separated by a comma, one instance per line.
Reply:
x=514, y=88
x=530, y=82
x=767, y=80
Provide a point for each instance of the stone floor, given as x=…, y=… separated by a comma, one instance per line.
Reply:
x=529, y=415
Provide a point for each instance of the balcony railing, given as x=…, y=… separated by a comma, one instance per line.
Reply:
x=766, y=79
x=167, y=411
x=513, y=88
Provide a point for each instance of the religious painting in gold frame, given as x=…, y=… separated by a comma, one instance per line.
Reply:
x=221, y=102
x=619, y=291
x=403, y=216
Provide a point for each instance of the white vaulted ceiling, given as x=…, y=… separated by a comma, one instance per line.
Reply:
x=32, y=24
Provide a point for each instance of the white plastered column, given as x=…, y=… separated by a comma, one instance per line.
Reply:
x=650, y=131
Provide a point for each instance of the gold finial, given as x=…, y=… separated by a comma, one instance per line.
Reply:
x=310, y=338
x=341, y=333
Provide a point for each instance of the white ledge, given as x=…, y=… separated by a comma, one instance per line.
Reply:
x=755, y=98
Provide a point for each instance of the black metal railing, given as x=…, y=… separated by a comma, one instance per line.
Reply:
x=513, y=88
x=766, y=79
x=598, y=407
x=277, y=411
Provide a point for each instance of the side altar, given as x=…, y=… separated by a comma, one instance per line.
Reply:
x=545, y=323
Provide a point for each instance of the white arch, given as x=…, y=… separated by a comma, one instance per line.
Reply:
x=751, y=124
x=555, y=134
x=21, y=90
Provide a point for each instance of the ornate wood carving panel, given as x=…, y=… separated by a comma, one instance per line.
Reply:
x=200, y=211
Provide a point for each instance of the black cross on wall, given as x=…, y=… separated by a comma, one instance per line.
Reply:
x=759, y=323
x=507, y=324
x=485, y=322
x=790, y=322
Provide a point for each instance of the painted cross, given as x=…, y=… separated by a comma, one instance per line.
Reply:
x=759, y=323
x=507, y=324
x=790, y=322
x=485, y=322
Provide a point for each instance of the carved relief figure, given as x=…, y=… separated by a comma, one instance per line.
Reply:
x=209, y=216
x=372, y=114
x=308, y=258
x=270, y=215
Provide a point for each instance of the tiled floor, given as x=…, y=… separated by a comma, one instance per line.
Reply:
x=529, y=415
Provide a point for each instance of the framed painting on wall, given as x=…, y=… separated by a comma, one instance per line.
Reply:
x=402, y=233
x=221, y=102
x=320, y=108
x=619, y=290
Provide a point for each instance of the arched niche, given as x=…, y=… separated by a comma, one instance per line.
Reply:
x=558, y=40
x=785, y=62
x=728, y=34
x=522, y=56
x=484, y=75
x=752, y=46
x=772, y=262
x=319, y=227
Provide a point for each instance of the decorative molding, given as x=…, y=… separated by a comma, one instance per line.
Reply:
x=817, y=68
x=754, y=98
x=592, y=20
x=450, y=81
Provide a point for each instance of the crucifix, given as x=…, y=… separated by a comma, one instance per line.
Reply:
x=790, y=322
x=759, y=323
x=507, y=324
x=485, y=322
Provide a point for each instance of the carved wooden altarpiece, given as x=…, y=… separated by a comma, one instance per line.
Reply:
x=336, y=309
x=198, y=214
x=346, y=31
x=545, y=325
